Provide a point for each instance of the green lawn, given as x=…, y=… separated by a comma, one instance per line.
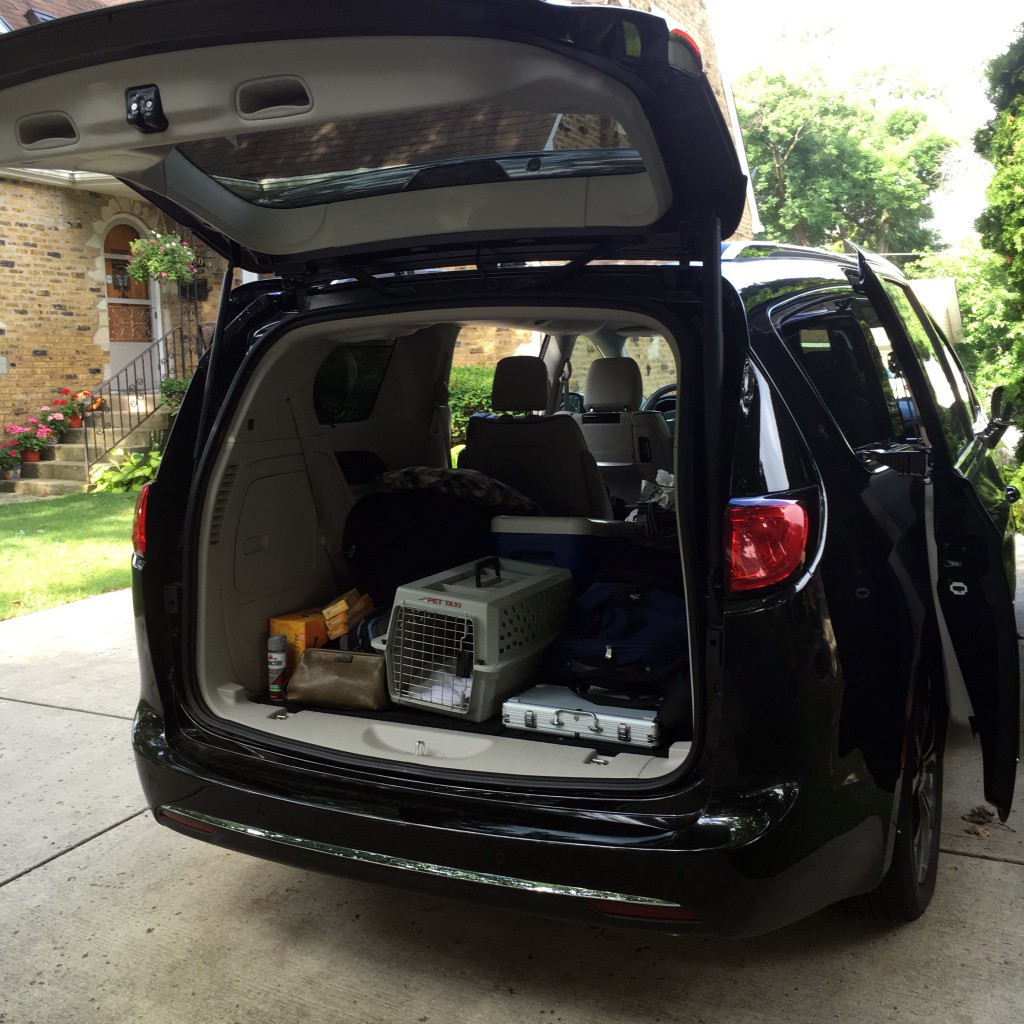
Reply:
x=63, y=549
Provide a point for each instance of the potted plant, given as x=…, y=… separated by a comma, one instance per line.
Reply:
x=164, y=257
x=52, y=416
x=10, y=459
x=34, y=441
x=73, y=405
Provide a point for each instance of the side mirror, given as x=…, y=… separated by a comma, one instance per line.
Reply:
x=1000, y=420
x=573, y=402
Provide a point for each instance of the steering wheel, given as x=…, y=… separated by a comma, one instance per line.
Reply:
x=662, y=400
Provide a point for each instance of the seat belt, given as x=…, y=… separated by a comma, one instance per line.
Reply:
x=327, y=522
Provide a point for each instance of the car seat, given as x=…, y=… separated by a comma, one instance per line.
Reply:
x=545, y=457
x=628, y=445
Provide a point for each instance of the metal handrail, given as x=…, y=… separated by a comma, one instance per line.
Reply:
x=126, y=399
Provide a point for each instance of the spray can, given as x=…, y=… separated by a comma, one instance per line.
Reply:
x=277, y=665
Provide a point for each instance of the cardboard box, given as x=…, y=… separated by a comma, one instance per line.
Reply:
x=341, y=604
x=341, y=622
x=302, y=629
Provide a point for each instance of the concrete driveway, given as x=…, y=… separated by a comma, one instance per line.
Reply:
x=106, y=917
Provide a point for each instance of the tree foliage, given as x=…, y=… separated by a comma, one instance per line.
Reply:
x=1002, y=142
x=992, y=309
x=831, y=167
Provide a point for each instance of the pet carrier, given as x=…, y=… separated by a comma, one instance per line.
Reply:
x=462, y=640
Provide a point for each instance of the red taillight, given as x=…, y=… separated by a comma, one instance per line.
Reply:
x=139, y=522
x=685, y=53
x=765, y=542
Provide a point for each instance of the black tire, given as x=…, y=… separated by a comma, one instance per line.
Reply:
x=906, y=890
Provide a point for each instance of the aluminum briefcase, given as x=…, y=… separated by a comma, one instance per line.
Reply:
x=557, y=711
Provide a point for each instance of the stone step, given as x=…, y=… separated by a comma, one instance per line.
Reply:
x=126, y=415
x=130, y=404
x=41, y=488
x=75, y=472
x=65, y=452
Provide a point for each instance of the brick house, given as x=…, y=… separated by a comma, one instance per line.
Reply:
x=70, y=317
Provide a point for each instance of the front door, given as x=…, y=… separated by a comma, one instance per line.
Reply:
x=129, y=305
x=974, y=595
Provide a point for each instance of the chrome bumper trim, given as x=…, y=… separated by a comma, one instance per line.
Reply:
x=418, y=866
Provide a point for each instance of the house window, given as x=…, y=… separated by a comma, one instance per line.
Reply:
x=34, y=17
x=4, y=26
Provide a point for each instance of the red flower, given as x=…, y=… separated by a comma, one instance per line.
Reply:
x=65, y=391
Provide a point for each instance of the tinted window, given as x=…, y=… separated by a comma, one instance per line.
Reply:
x=953, y=415
x=961, y=382
x=385, y=153
x=769, y=454
x=849, y=361
x=348, y=382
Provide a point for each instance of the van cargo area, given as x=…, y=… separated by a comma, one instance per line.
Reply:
x=322, y=418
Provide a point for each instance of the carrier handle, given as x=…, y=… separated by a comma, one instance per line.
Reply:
x=557, y=719
x=487, y=563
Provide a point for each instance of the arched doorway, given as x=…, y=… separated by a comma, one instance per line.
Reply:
x=129, y=303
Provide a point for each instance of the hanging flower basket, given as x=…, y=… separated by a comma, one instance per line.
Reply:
x=162, y=257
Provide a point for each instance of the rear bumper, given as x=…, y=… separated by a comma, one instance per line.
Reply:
x=736, y=869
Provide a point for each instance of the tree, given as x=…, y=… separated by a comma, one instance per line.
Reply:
x=1002, y=142
x=829, y=167
x=993, y=312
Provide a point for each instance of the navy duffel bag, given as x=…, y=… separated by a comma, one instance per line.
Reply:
x=621, y=645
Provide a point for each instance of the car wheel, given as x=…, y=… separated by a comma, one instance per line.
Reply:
x=908, y=885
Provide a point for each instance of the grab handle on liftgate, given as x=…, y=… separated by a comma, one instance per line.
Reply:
x=557, y=719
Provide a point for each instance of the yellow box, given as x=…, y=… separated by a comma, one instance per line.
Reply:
x=339, y=624
x=341, y=604
x=302, y=629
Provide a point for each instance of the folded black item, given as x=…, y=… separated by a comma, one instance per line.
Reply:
x=340, y=679
x=470, y=484
x=396, y=536
x=622, y=647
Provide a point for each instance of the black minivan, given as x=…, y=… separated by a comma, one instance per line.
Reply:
x=779, y=439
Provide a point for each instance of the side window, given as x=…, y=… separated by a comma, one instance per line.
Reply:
x=584, y=352
x=657, y=362
x=961, y=382
x=952, y=408
x=769, y=455
x=347, y=384
x=851, y=365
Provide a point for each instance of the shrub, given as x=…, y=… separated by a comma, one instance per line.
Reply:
x=128, y=475
x=172, y=392
x=469, y=392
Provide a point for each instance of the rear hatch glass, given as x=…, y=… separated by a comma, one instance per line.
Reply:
x=374, y=156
